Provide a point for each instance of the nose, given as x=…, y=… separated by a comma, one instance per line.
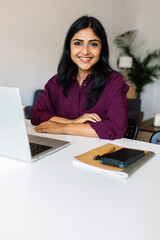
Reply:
x=85, y=50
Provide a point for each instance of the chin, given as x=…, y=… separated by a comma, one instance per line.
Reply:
x=85, y=68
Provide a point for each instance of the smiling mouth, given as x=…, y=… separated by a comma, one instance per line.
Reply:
x=85, y=59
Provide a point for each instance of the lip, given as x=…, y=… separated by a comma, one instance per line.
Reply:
x=85, y=59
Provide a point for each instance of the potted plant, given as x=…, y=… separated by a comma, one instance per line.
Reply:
x=144, y=69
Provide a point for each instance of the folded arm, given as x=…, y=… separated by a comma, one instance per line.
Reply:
x=78, y=126
x=87, y=117
x=80, y=129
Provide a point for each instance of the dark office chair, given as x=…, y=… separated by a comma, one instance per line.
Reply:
x=28, y=108
x=134, y=109
x=132, y=129
x=155, y=138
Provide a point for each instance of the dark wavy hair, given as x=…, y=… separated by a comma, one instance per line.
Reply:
x=101, y=70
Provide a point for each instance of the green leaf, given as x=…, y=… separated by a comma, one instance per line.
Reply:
x=143, y=71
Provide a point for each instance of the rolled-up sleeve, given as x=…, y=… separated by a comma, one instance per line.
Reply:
x=115, y=119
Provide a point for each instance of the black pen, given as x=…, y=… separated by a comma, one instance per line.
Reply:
x=97, y=157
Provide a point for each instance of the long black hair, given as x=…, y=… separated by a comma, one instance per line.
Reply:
x=101, y=70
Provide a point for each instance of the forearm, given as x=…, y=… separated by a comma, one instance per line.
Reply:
x=60, y=120
x=72, y=129
x=87, y=117
x=79, y=129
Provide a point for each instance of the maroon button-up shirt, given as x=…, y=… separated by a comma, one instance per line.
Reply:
x=112, y=106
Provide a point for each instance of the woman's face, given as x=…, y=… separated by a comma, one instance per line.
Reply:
x=85, y=49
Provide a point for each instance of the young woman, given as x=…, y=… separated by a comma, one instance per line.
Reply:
x=86, y=97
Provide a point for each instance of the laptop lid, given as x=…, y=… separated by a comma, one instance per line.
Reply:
x=14, y=141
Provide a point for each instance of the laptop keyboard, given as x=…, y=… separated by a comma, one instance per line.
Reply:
x=38, y=148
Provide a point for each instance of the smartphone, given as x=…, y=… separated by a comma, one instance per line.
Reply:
x=121, y=158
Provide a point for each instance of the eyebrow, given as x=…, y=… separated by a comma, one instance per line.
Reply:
x=80, y=40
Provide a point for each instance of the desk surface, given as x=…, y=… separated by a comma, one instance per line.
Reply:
x=55, y=199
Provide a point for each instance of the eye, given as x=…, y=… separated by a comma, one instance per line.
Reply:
x=93, y=44
x=77, y=43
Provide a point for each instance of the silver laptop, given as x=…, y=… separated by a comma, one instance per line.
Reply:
x=14, y=141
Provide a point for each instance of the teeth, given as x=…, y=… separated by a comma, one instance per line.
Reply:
x=84, y=58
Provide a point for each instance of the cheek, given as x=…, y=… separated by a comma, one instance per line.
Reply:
x=98, y=53
x=74, y=52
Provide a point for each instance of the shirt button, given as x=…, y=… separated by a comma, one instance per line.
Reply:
x=85, y=84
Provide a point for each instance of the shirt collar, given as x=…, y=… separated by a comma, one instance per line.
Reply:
x=89, y=76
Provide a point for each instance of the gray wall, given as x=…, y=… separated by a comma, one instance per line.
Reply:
x=32, y=33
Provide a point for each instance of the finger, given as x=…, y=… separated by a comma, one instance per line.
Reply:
x=90, y=119
x=96, y=117
x=93, y=116
x=40, y=129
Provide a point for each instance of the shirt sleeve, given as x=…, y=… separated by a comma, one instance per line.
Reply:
x=115, y=120
x=43, y=109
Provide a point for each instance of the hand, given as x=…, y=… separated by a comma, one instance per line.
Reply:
x=49, y=127
x=87, y=117
x=59, y=128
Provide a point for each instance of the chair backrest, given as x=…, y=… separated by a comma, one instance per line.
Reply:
x=134, y=108
x=132, y=129
x=155, y=138
x=37, y=94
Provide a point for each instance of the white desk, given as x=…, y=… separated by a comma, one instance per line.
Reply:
x=53, y=199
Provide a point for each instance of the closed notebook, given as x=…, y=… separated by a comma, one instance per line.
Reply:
x=87, y=159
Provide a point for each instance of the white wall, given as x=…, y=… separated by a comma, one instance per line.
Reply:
x=148, y=19
x=32, y=33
